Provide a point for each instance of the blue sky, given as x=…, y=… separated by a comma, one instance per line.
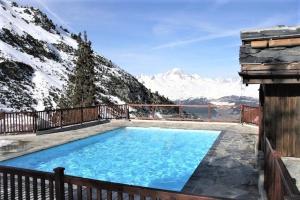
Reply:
x=151, y=36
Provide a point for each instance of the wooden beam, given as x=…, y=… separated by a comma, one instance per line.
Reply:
x=279, y=73
x=271, y=67
x=259, y=44
x=285, y=42
x=271, y=81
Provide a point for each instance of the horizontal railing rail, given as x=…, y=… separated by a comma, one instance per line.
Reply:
x=278, y=183
x=17, y=183
x=19, y=122
x=208, y=112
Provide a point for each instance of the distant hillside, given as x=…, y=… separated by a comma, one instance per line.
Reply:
x=226, y=100
x=36, y=57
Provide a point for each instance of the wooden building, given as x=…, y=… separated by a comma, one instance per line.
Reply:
x=271, y=58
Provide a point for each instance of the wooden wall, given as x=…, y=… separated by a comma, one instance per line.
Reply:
x=281, y=121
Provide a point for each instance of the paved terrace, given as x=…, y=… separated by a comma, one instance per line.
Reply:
x=293, y=166
x=229, y=169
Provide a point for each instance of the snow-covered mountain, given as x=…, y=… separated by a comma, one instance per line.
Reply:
x=36, y=57
x=178, y=85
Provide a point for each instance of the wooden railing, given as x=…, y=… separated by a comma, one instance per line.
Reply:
x=250, y=114
x=17, y=183
x=208, y=113
x=16, y=122
x=20, y=122
x=278, y=183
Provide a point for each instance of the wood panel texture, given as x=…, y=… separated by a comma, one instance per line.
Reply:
x=282, y=117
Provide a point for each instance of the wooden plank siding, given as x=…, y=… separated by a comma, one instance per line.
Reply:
x=281, y=117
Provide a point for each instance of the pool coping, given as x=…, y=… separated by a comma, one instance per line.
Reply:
x=96, y=132
x=207, y=155
x=98, y=129
x=33, y=150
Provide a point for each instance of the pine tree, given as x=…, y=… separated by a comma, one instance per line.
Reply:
x=81, y=88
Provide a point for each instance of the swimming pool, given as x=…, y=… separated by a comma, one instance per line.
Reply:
x=151, y=157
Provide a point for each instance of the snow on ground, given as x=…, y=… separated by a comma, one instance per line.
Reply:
x=48, y=73
x=255, y=30
x=15, y=16
x=222, y=103
x=5, y=142
x=178, y=85
x=114, y=99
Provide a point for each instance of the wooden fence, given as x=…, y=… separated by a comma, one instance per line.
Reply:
x=250, y=114
x=16, y=122
x=20, y=122
x=208, y=113
x=278, y=183
x=16, y=183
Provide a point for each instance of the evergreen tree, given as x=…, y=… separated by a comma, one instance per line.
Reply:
x=81, y=88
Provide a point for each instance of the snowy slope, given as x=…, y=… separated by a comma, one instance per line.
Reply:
x=36, y=57
x=178, y=85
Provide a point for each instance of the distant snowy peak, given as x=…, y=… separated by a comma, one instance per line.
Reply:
x=177, y=84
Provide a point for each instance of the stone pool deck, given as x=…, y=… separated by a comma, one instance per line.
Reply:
x=293, y=166
x=229, y=169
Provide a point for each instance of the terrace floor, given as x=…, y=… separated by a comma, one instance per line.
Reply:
x=229, y=169
x=293, y=166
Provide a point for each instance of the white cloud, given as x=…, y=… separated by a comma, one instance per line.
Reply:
x=216, y=33
x=198, y=39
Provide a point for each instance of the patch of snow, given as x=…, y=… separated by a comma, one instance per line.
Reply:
x=255, y=30
x=114, y=99
x=11, y=19
x=5, y=142
x=222, y=103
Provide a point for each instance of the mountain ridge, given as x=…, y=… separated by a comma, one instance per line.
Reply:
x=179, y=85
x=36, y=57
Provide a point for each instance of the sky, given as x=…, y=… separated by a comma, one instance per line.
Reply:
x=151, y=36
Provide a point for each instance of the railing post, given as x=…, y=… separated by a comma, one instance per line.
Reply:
x=35, y=116
x=260, y=129
x=209, y=112
x=81, y=114
x=153, y=112
x=180, y=111
x=127, y=113
x=4, y=124
x=242, y=113
x=59, y=183
x=98, y=112
x=61, y=118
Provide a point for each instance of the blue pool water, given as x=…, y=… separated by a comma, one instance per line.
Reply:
x=150, y=157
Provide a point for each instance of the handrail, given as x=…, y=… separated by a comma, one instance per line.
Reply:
x=184, y=112
x=32, y=183
x=132, y=189
x=16, y=122
x=182, y=105
x=22, y=122
x=278, y=181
